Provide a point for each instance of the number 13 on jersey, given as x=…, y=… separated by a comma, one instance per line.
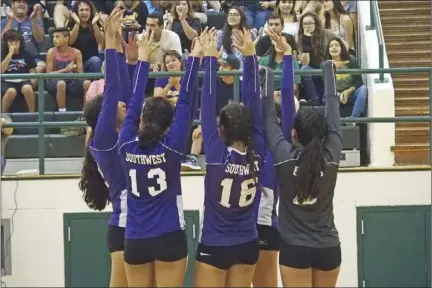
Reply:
x=155, y=173
x=247, y=193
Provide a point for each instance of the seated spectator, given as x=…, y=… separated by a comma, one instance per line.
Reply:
x=350, y=7
x=64, y=59
x=225, y=93
x=311, y=45
x=236, y=19
x=183, y=22
x=157, y=6
x=349, y=87
x=86, y=34
x=5, y=133
x=199, y=11
x=163, y=39
x=31, y=27
x=16, y=60
x=169, y=87
x=338, y=20
x=285, y=8
x=257, y=12
x=274, y=60
x=96, y=87
x=135, y=15
x=275, y=24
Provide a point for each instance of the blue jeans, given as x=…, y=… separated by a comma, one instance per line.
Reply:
x=358, y=98
x=257, y=18
x=313, y=86
x=93, y=65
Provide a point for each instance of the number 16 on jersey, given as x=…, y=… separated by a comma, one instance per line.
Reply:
x=247, y=193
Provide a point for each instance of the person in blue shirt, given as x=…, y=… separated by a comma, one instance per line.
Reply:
x=152, y=141
x=102, y=179
x=234, y=150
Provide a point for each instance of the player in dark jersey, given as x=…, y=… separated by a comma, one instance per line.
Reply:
x=152, y=144
x=266, y=270
x=102, y=179
x=310, y=254
x=228, y=248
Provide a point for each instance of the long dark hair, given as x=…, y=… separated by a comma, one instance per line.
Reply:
x=227, y=29
x=237, y=123
x=92, y=13
x=311, y=129
x=157, y=116
x=338, y=9
x=316, y=35
x=95, y=192
x=344, y=55
x=11, y=35
x=292, y=10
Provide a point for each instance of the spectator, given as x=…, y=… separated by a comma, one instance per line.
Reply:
x=257, y=12
x=5, y=133
x=275, y=24
x=65, y=59
x=31, y=28
x=183, y=22
x=350, y=87
x=157, y=6
x=311, y=45
x=164, y=39
x=169, y=87
x=285, y=8
x=350, y=7
x=199, y=11
x=16, y=60
x=225, y=93
x=274, y=60
x=96, y=87
x=86, y=34
x=135, y=14
x=236, y=19
x=338, y=20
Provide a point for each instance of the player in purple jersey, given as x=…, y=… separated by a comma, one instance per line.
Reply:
x=102, y=179
x=310, y=253
x=266, y=270
x=228, y=248
x=152, y=141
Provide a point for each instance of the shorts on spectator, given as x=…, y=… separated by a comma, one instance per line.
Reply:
x=5, y=85
x=73, y=86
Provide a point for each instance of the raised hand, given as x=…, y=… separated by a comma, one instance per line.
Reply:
x=208, y=43
x=75, y=17
x=9, y=13
x=96, y=18
x=145, y=46
x=114, y=22
x=280, y=43
x=131, y=48
x=243, y=42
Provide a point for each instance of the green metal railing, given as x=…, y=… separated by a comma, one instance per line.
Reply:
x=41, y=124
x=375, y=24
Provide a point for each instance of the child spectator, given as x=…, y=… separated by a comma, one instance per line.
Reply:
x=16, y=60
x=64, y=59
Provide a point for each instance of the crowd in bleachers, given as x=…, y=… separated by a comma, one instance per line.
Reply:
x=316, y=30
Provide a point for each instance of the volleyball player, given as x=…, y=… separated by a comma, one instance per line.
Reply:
x=102, y=179
x=155, y=239
x=228, y=248
x=310, y=254
x=266, y=270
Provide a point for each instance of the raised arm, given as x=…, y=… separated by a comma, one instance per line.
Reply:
x=178, y=133
x=287, y=97
x=279, y=148
x=131, y=122
x=333, y=142
x=125, y=80
x=105, y=134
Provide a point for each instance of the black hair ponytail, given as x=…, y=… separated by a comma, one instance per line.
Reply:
x=310, y=167
x=95, y=192
x=150, y=134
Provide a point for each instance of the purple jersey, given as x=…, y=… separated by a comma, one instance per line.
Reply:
x=230, y=190
x=103, y=146
x=155, y=205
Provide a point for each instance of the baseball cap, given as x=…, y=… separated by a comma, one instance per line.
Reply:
x=232, y=61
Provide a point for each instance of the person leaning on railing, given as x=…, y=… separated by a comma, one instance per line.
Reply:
x=5, y=132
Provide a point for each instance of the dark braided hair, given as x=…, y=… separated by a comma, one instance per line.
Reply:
x=311, y=128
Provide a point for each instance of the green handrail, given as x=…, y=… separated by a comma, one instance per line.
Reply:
x=41, y=124
x=375, y=24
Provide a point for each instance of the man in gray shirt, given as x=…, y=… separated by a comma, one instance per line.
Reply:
x=307, y=174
